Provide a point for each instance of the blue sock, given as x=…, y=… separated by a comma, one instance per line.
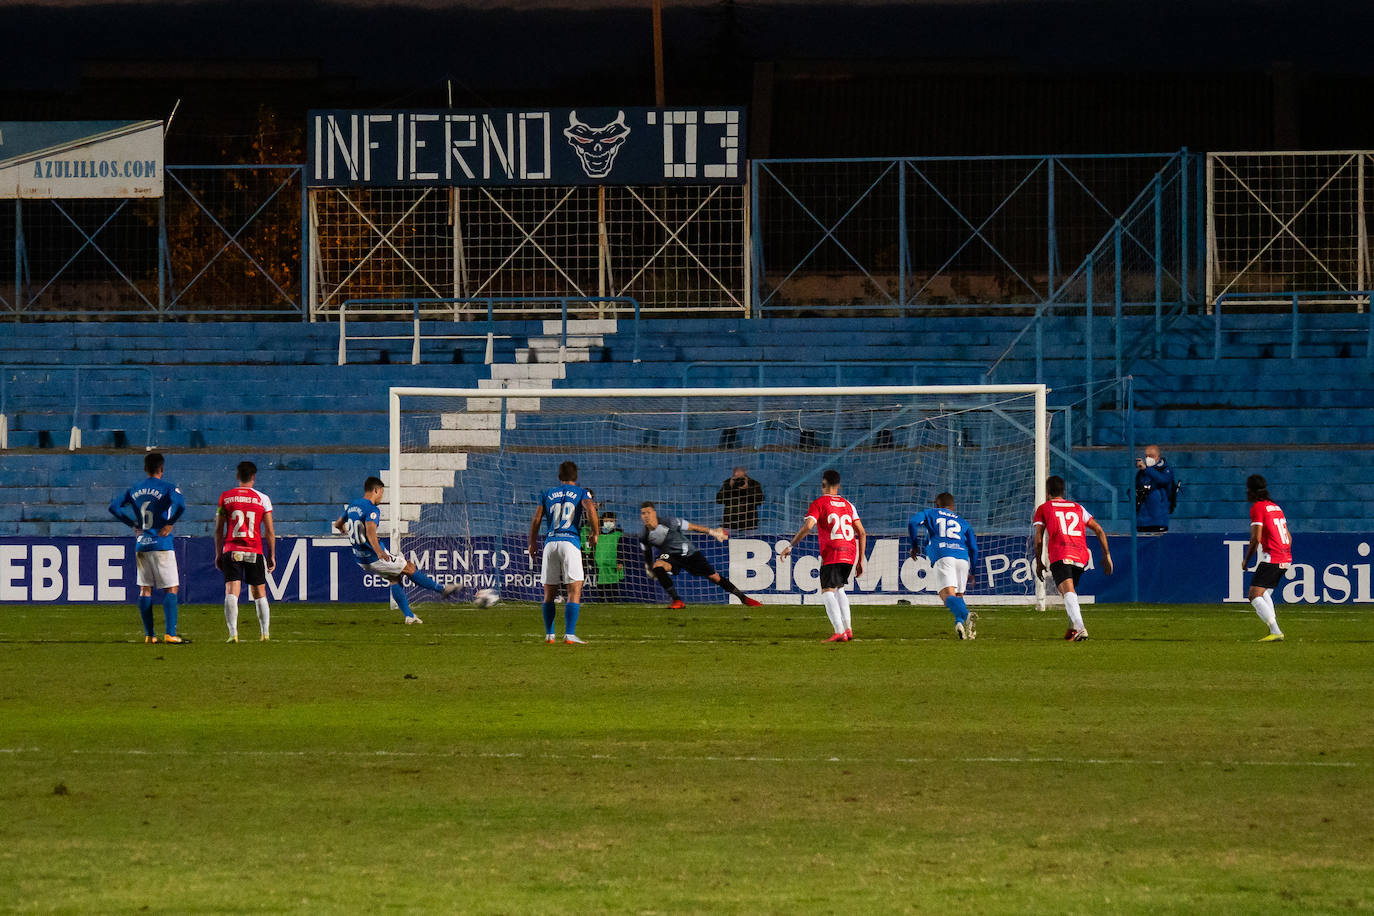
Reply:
x=145, y=610
x=957, y=608
x=419, y=577
x=169, y=611
x=402, y=601
x=547, y=608
x=570, y=612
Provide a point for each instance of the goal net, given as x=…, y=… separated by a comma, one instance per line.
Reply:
x=467, y=468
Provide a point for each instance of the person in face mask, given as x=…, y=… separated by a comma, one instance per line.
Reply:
x=1154, y=491
x=605, y=557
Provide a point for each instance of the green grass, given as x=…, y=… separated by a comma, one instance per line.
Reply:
x=712, y=760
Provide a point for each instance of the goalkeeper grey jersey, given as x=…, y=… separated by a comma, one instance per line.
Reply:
x=669, y=537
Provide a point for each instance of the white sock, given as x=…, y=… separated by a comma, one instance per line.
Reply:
x=1264, y=606
x=832, y=610
x=264, y=614
x=843, y=597
x=1075, y=615
x=231, y=613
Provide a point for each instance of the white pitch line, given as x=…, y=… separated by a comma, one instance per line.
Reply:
x=708, y=758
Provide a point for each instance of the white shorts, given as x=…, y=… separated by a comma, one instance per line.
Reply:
x=157, y=569
x=562, y=563
x=396, y=566
x=950, y=572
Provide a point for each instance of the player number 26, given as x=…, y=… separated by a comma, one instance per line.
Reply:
x=841, y=528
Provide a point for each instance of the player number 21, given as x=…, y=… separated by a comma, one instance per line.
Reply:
x=841, y=528
x=241, y=526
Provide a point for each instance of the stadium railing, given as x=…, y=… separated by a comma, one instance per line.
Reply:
x=462, y=310
x=1359, y=298
x=75, y=441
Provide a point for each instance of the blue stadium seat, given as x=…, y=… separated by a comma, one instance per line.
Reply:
x=272, y=392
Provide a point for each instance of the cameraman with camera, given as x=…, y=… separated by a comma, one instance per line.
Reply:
x=1156, y=491
x=741, y=495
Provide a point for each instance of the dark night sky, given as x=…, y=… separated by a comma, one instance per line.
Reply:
x=534, y=46
x=134, y=59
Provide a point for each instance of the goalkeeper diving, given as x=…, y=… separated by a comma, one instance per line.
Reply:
x=668, y=550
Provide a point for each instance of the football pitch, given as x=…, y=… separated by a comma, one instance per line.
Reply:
x=717, y=759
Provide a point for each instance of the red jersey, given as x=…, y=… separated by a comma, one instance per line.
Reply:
x=1276, y=544
x=835, y=517
x=1066, y=527
x=245, y=508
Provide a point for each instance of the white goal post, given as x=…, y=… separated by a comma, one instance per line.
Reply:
x=466, y=466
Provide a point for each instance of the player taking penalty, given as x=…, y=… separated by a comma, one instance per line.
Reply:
x=359, y=523
x=843, y=542
x=1063, y=524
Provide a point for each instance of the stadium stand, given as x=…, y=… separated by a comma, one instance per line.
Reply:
x=272, y=393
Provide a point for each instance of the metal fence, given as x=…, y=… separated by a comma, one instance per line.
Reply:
x=224, y=242
x=908, y=235
x=1288, y=222
x=676, y=250
x=1033, y=235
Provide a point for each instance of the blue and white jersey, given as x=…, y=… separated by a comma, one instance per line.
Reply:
x=946, y=534
x=356, y=515
x=563, y=512
x=147, y=507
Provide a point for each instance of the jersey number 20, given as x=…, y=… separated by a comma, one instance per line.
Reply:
x=357, y=532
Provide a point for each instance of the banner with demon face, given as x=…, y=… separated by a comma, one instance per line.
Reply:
x=528, y=146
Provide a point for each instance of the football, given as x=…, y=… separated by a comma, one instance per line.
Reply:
x=486, y=597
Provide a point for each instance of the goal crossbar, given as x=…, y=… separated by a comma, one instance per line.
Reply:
x=1035, y=394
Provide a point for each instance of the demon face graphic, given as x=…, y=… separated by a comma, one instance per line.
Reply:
x=596, y=146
